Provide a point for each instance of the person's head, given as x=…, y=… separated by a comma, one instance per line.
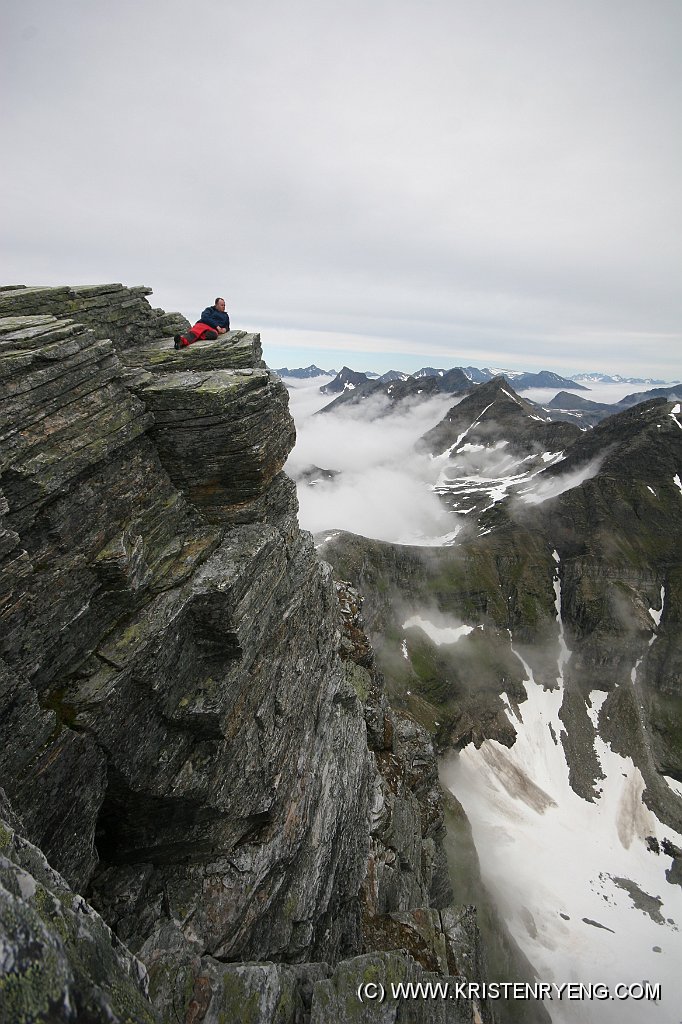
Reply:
x=220, y=304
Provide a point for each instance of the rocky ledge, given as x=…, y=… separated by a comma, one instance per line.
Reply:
x=194, y=739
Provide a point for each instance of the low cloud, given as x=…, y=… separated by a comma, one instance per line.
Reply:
x=384, y=486
x=551, y=486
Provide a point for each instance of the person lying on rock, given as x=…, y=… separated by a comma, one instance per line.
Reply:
x=214, y=321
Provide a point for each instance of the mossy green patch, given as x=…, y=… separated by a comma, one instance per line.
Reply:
x=237, y=1003
x=359, y=679
x=50, y=910
x=33, y=993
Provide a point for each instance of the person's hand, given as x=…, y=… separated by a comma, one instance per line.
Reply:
x=222, y=330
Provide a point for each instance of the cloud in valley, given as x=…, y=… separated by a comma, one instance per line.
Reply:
x=383, y=489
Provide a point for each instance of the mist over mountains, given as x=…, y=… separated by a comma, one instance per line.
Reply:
x=349, y=380
x=519, y=563
x=351, y=387
x=475, y=374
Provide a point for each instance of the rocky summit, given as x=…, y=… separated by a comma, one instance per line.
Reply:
x=209, y=810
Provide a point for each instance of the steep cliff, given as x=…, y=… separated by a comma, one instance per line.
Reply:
x=192, y=729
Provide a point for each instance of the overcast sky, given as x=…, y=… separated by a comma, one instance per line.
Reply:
x=381, y=184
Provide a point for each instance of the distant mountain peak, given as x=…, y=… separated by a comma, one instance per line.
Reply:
x=302, y=373
x=597, y=377
x=493, y=413
x=345, y=380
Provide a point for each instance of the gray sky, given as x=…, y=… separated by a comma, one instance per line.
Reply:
x=385, y=184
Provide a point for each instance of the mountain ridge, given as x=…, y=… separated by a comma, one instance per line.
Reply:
x=543, y=650
x=431, y=381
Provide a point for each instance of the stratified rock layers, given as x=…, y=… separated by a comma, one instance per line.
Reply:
x=186, y=730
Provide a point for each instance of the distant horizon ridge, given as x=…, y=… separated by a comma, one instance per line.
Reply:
x=581, y=378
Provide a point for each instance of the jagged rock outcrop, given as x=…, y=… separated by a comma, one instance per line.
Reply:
x=59, y=959
x=112, y=311
x=188, y=731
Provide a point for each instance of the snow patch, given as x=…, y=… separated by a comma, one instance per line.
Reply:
x=564, y=653
x=597, y=698
x=558, y=864
x=422, y=540
x=438, y=634
x=674, y=784
x=325, y=540
x=563, y=869
x=453, y=447
x=552, y=861
x=656, y=615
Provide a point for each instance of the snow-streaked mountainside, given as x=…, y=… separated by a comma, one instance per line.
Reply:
x=345, y=380
x=521, y=380
x=539, y=638
x=355, y=389
x=492, y=444
x=583, y=884
x=615, y=378
x=366, y=385
x=378, y=397
x=392, y=375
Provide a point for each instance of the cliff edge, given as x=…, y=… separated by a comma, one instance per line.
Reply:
x=210, y=810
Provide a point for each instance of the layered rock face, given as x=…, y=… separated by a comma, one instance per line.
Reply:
x=192, y=730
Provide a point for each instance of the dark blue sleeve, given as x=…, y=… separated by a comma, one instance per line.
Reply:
x=210, y=316
x=215, y=318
